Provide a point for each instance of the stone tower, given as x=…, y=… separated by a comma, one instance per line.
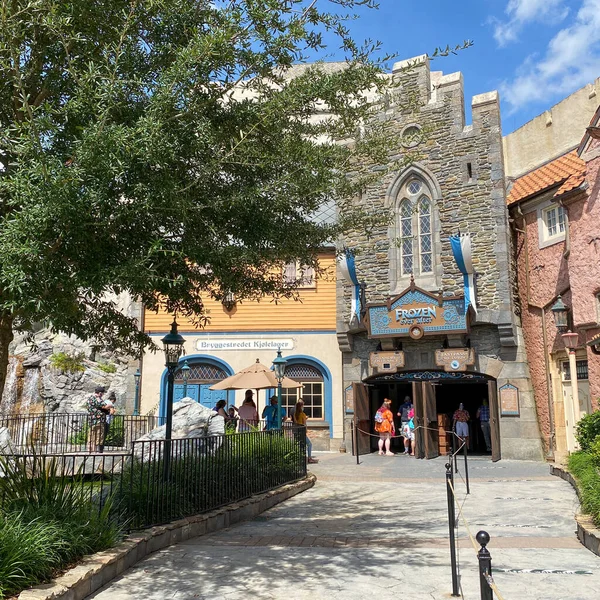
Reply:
x=453, y=184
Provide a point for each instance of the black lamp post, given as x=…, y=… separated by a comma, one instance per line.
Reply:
x=136, y=400
x=560, y=311
x=173, y=347
x=185, y=374
x=279, y=364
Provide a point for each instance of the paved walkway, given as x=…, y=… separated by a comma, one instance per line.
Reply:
x=380, y=530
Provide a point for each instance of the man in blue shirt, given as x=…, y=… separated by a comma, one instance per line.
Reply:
x=270, y=414
x=483, y=414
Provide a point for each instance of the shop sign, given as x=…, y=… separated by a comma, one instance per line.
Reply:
x=387, y=362
x=509, y=400
x=416, y=313
x=223, y=344
x=349, y=399
x=455, y=359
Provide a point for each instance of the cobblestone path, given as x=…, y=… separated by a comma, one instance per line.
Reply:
x=379, y=530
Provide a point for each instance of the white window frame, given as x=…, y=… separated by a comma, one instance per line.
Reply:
x=546, y=237
x=307, y=275
x=299, y=394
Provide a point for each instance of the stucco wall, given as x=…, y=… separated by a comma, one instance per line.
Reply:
x=552, y=133
x=570, y=267
x=321, y=346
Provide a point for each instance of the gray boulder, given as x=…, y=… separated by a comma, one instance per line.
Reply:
x=6, y=446
x=190, y=420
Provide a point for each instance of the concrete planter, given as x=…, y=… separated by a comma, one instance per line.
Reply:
x=587, y=532
x=97, y=570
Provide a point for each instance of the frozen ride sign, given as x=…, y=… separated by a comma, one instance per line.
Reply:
x=416, y=313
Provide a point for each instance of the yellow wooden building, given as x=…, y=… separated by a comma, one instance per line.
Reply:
x=238, y=333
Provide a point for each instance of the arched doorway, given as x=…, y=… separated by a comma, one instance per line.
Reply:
x=203, y=373
x=436, y=395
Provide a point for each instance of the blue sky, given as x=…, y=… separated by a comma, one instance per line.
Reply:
x=535, y=52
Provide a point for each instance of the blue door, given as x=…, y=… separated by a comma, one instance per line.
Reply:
x=192, y=392
x=210, y=397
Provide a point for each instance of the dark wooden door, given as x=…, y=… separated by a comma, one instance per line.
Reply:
x=430, y=420
x=494, y=420
x=417, y=387
x=362, y=418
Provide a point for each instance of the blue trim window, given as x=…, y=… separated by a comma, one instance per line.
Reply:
x=311, y=393
x=308, y=369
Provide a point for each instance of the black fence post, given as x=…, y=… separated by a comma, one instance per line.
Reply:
x=485, y=565
x=451, y=526
x=467, y=471
x=355, y=442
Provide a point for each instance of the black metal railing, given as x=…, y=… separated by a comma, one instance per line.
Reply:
x=60, y=433
x=159, y=481
x=206, y=473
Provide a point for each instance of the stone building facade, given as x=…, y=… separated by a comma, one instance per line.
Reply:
x=454, y=184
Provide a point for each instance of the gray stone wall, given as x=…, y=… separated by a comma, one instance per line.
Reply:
x=462, y=165
x=447, y=154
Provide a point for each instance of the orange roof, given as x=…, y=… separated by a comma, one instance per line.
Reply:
x=567, y=172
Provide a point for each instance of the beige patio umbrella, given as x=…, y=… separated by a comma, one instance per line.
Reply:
x=254, y=377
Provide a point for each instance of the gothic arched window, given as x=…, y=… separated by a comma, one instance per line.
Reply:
x=415, y=229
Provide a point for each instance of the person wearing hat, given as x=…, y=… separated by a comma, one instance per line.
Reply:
x=461, y=420
x=97, y=411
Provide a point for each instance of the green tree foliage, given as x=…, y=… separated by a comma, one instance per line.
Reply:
x=161, y=147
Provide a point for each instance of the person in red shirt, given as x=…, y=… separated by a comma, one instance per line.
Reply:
x=384, y=425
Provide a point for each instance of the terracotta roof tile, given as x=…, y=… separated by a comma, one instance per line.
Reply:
x=567, y=172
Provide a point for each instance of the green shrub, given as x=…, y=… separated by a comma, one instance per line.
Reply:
x=584, y=468
x=115, y=437
x=107, y=367
x=595, y=452
x=202, y=479
x=48, y=520
x=588, y=430
x=68, y=363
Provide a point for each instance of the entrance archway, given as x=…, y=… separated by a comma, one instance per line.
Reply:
x=435, y=395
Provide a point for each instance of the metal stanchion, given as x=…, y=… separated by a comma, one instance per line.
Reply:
x=355, y=442
x=451, y=527
x=485, y=565
x=466, y=470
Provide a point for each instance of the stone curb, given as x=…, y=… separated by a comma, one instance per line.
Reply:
x=98, y=569
x=587, y=533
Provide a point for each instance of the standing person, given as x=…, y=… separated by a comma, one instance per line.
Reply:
x=403, y=411
x=384, y=425
x=300, y=419
x=232, y=421
x=97, y=420
x=109, y=406
x=269, y=413
x=460, y=423
x=248, y=414
x=409, y=430
x=220, y=409
x=483, y=414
